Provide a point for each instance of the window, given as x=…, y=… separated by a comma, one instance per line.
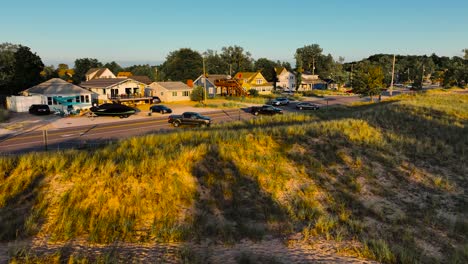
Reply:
x=87, y=98
x=259, y=81
x=82, y=98
x=77, y=99
x=174, y=93
x=185, y=93
x=49, y=100
x=162, y=93
x=103, y=91
x=210, y=90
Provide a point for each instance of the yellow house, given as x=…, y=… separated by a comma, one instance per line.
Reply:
x=254, y=80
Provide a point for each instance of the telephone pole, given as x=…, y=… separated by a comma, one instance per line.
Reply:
x=204, y=81
x=393, y=74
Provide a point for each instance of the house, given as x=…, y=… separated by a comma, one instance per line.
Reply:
x=170, y=91
x=212, y=89
x=285, y=79
x=99, y=73
x=254, y=80
x=56, y=93
x=310, y=82
x=117, y=89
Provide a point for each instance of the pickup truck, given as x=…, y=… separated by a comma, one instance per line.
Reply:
x=265, y=110
x=189, y=118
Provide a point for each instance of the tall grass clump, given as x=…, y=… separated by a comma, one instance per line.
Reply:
x=4, y=115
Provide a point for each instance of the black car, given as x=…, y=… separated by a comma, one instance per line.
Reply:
x=307, y=106
x=279, y=101
x=160, y=109
x=265, y=110
x=39, y=109
x=156, y=100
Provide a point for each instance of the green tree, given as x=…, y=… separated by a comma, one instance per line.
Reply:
x=27, y=69
x=214, y=64
x=143, y=70
x=368, y=80
x=182, y=65
x=466, y=54
x=82, y=66
x=114, y=67
x=198, y=94
x=299, y=70
x=237, y=59
x=49, y=72
x=7, y=66
x=253, y=92
x=267, y=67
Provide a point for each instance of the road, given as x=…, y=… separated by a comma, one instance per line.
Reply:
x=82, y=136
x=102, y=133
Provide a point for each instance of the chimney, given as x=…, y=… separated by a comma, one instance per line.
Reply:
x=190, y=83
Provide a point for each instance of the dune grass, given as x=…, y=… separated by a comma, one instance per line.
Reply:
x=391, y=176
x=3, y=115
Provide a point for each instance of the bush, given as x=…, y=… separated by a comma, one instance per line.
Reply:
x=198, y=94
x=253, y=92
x=3, y=115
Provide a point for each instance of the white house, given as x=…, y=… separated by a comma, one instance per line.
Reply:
x=286, y=79
x=99, y=73
x=170, y=91
x=116, y=89
x=56, y=93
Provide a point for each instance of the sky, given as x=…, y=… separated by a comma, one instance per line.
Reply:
x=140, y=32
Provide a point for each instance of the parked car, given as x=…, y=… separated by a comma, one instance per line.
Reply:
x=279, y=101
x=265, y=110
x=39, y=109
x=307, y=106
x=160, y=109
x=156, y=100
x=189, y=118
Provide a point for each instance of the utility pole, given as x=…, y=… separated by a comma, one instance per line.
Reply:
x=393, y=74
x=204, y=81
x=422, y=77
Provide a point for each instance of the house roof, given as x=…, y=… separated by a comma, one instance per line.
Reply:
x=104, y=83
x=141, y=78
x=98, y=71
x=279, y=70
x=174, y=86
x=212, y=77
x=56, y=86
x=124, y=74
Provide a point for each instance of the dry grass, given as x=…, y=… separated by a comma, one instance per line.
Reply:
x=391, y=175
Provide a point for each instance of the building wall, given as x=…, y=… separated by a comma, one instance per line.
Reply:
x=287, y=81
x=169, y=95
x=132, y=86
x=21, y=104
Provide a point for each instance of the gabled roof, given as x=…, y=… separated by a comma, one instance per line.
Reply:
x=56, y=86
x=249, y=76
x=98, y=72
x=141, y=78
x=212, y=77
x=105, y=83
x=279, y=70
x=124, y=74
x=174, y=86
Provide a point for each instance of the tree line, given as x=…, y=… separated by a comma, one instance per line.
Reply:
x=20, y=68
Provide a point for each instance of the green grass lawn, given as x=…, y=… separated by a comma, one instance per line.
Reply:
x=391, y=177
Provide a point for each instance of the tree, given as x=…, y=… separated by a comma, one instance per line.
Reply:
x=299, y=70
x=466, y=54
x=267, y=67
x=145, y=70
x=198, y=94
x=49, y=72
x=7, y=65
x=253, y=92
x=368, y=80
x=237, y=59
x=27, y=70
x=82, y=66
x=65, y=73
x=182, y=65
x=114, y=67
x=214, y=64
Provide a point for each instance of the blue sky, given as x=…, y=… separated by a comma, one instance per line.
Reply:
x=146, y=31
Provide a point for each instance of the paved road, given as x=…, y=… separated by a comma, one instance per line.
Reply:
x=101, y=133
x=82, y=136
